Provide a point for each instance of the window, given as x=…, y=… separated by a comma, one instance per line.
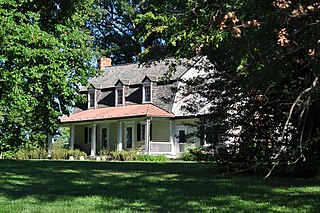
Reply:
x=182, y=136
x=129, y=137
x=141, y=132
x=104, y=137
x=147, y=93
x=146, y=90
x=119, y=96
x=87, y=135
x=91, y=99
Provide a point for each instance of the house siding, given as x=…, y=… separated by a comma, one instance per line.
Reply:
x=160, y=131
x=79, y=139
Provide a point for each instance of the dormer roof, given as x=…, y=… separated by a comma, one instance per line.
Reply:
x=150, y=78
x=122, y=82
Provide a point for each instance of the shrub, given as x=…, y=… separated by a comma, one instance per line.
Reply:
x=187, y=156
x=203, y=154
x=77, y=153
x=30, y=153
x=9, y=155
x=37, y=153
x=21, y=154
x=154, y=158
x=59, y=153
x=124, y=155
x=105, y=152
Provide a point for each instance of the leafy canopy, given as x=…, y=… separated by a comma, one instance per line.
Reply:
x=45, y=55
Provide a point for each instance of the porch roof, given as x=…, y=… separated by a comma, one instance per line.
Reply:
x=118, y=112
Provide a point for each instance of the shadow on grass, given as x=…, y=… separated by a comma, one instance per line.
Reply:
x=160, y=187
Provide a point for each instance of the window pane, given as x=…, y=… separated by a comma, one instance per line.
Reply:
x=119, y=96
x=91, y=99
x=143, y=132
x=129, y=137
x=147, y=93
x=182, y=136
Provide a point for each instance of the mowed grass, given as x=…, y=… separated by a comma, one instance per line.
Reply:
x=71, y=186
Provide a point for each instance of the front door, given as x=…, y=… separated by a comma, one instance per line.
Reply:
x=104, y=138
x=129, y=137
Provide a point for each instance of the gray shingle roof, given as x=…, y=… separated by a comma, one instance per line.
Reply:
x=135, y=73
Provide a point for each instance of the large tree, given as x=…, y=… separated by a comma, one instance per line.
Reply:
x=45, y=55
x=267, y=60
x=114, y=30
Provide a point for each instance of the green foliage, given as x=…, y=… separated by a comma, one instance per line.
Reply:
x=152, y=158
x=45, y=55
x=115, y=31
x=124, y=155
x=30, y=153
x=105, y=152
x=59, y=153
x=187, y=156
x=199, y=154
x=76, y=153
x=9, y=155
x=264, y=92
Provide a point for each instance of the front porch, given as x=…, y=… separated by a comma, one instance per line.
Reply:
x=147, y=135
x=145, y=127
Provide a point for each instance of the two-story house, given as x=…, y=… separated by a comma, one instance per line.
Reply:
x=132, y=106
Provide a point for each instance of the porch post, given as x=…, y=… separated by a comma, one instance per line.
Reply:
x=72, y=135
x=119, y=145
x=171, y=138
x=147, y=137
x=49, y=138
x=93, y=140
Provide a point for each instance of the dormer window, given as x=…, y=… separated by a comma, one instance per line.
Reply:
x=119, y=90
x=119, y=96
x=146, y=91
x=91, y=98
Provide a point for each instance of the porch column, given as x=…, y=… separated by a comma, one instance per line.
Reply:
x=49, y=138
x=120, y=127
x=72, y=135
x=147, y=136
x=171, y=138
x=93, y=140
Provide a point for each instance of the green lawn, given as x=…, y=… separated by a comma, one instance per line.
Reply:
x=70, y=186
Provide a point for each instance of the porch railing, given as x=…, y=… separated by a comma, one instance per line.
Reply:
x=160, y=147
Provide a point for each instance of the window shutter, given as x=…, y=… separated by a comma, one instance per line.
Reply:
x=138, y=132
x=86, y=135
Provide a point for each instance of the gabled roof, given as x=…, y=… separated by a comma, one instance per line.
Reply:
x=109, y=113
x=136, y=73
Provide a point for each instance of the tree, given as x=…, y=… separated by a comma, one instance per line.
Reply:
x=45, y=55
x=114, y=29
x=267, y=59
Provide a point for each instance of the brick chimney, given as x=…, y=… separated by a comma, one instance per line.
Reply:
x=103, y=63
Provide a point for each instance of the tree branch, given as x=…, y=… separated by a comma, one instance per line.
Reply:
x=283, y=147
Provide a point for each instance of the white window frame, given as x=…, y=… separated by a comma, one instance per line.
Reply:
x=91, y=92
x=147, y=83
x=119, y=88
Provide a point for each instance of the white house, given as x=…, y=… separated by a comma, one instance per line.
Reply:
x=134, y=107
